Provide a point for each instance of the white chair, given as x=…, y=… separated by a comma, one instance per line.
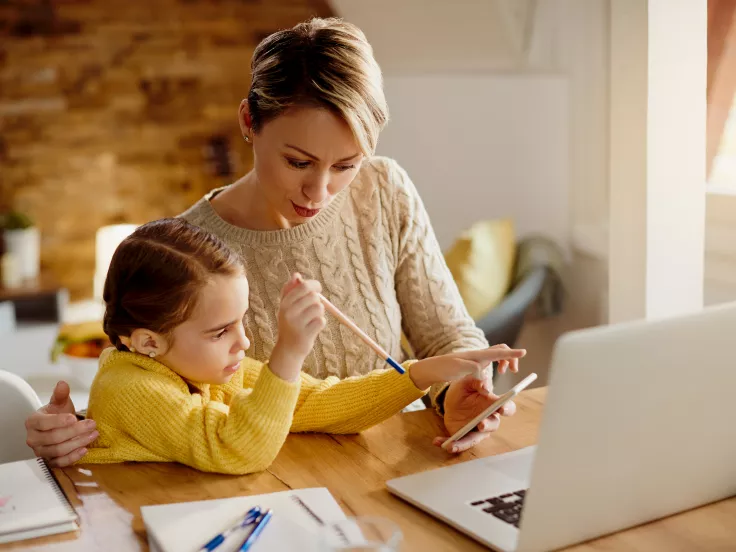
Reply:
x=17, y=401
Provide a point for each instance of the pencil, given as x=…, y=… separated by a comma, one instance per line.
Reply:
x=337, y=313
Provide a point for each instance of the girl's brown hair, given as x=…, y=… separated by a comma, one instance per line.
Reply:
x=156, y=274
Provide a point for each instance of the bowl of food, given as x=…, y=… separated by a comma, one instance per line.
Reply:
x=78, y=347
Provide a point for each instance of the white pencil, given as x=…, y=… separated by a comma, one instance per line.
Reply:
x=337, y=313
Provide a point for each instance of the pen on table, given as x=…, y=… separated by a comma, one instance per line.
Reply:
x=250, y=517
x=337, y=313
x=262, y=522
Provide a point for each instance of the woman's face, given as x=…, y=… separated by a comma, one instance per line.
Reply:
x=303, y=159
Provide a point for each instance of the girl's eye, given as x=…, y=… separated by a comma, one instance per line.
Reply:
x=298, y=164
x=219, y=335
x=343, y=168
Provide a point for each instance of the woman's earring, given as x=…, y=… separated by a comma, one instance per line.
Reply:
x=152, y=354
x=245, y=137
x=132, y=349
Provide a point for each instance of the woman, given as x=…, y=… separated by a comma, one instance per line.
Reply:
x=318, y=202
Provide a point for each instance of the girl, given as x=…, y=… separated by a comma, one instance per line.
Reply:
x=178, y=387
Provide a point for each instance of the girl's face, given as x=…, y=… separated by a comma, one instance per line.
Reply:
x=302, y=160
x=209, y=347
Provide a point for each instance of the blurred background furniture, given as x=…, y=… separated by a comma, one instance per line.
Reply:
x=504, y=323
x=17, y=402
x=503, y=281
x=38, y=301
x=501, y=278
x=536, y=287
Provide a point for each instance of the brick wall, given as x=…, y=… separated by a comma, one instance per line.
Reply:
x=110, y=111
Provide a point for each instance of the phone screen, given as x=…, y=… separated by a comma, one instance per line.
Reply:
x=502, y=400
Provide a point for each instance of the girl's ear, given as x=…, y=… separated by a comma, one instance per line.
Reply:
x=147, y=342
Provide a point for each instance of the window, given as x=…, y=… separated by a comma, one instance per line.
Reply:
x=723, y=171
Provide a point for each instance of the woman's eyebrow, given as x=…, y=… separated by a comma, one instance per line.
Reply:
x=312, y=156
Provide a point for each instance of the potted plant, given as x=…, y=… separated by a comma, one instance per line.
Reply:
x=22, y=241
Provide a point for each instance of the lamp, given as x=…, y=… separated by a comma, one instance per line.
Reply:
x=106, y=242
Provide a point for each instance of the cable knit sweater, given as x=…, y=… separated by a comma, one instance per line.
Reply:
x=376, y=255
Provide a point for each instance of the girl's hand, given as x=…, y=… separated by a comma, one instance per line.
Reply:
x=458, y=365
x=301, y=318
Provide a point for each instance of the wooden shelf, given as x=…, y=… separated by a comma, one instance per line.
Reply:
x=37, y=301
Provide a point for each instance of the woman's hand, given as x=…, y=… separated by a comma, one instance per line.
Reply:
x=54, y=433
x=468, y=397
x=301, y=318
x=465, y=399
x=455, y=366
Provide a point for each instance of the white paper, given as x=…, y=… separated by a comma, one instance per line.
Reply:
x=187, y=526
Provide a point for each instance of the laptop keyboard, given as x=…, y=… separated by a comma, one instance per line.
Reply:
x=506, y=507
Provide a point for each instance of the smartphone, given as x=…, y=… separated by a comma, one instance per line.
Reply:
x=502, y=400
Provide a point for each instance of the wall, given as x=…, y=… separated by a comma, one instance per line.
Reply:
x=483, y=146
x=657, y=158
x=720, y=249
x=582, y=53
x=112, y=119
x=411, y=37
x=578, y=48
x=469, y=119
x=554, y=61
x=572, y=37
x=566, y=38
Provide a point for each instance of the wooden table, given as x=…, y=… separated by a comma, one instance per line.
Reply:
x=354, y=469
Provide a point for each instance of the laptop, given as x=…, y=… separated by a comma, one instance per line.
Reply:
x=639, y=424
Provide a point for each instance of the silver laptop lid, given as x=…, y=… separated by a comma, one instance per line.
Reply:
x=639, y=423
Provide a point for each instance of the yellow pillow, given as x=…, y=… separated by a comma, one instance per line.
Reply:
x=482, y=263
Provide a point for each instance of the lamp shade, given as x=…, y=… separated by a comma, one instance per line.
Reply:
x=106, y=242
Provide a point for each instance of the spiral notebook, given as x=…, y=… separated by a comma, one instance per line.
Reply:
x=298, y=517
x=32, y=503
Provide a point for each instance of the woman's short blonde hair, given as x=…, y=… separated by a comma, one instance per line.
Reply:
x=324, y=63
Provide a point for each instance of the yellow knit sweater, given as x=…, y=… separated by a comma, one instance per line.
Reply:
x=147, y=413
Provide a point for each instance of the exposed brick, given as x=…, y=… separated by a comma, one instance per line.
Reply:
x=110, y=114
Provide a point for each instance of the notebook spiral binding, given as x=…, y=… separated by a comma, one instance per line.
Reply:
x=51, y=478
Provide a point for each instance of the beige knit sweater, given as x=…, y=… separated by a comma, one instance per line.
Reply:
x=376, y=255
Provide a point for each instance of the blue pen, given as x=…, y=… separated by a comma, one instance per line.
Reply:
x=262, y=521
x=250, y=517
